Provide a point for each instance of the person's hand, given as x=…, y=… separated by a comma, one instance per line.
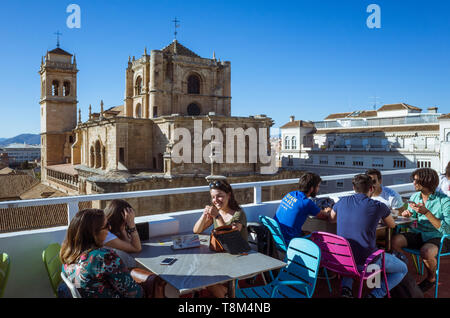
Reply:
x=236, y=226
x=327, y=210
x=129, y=215
x=419, y=208
x=406, y=214
x=210, y=212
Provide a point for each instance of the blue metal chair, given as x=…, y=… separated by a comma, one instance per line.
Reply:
x=275, y=230
x=420, y=265
x=296, y=280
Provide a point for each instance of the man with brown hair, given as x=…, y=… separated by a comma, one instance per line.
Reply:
x=357, y=219
x=432, y=209
x=297, y=205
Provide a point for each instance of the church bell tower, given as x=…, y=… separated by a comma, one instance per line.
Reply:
x=58, y=103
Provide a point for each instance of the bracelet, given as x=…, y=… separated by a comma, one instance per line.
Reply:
x=131, y=230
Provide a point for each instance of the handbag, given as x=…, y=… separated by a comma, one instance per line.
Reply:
x=225, y=239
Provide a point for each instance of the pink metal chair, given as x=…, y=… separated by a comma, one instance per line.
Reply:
x=337, y=256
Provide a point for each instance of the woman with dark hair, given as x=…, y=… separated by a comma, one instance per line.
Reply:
x=432, y=209
x=224, y=211
x=96, y=271
x=122, y=236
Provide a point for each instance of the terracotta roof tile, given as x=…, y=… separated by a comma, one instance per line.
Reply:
x=400, y=106
x=181, y=49
x=12, y=185
x=298, y=123
x=444, y=116
x=35, y=217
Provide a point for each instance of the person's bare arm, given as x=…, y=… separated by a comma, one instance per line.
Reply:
x=205, y=221
x=389, y=221
x=132, y=246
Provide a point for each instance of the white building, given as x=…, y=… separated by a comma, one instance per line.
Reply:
x=396, y=136
x=18, y=153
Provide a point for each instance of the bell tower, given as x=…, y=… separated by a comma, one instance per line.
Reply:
x=58, y=102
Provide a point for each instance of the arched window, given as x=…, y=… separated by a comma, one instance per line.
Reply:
x=193, y=84
x=92, y=153
x=294, y=142
x=286, y=143
x=193, y=109
x=138, y=111
x=98, y=156
x=138, y=86
x=55, y=88
x=448, y=137
x=66, y=89
x=103, y=158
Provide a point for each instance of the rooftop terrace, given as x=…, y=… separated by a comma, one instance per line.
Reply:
x=28, y=277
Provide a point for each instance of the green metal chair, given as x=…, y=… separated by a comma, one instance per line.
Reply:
x=4, y=272
x=52, y=262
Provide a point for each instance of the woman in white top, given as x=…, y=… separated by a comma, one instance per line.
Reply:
x=122, y=237
x=444, y=181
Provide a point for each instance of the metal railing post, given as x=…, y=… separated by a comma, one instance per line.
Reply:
x=257, y=195
x=72, y=209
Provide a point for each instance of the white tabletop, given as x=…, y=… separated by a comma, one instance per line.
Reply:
x=197, y=268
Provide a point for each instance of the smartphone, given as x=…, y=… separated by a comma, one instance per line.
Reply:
x=168, y=261
x=411, y=202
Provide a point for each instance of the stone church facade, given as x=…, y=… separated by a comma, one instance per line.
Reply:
x=129, y=147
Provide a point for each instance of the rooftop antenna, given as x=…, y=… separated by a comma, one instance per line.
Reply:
x=375, y=102
x=57, y=33
x=176, y=26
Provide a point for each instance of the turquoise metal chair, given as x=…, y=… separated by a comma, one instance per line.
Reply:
x=275, y=230
x=296, y=280
x=420, y=265
x=5, y=266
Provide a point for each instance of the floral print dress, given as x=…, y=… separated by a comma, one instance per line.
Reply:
x=101, y=273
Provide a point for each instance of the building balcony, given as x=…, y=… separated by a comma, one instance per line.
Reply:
x=28, y=277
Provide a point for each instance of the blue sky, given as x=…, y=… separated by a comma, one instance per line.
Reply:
x=302, y=58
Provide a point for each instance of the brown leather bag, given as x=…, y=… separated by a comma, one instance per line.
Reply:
x=152, y=284
x=214, y=243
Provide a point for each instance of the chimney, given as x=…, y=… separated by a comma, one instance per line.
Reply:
x=292, y=118
x=432, y=110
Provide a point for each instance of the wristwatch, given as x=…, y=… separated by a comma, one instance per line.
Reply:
x=131, y=230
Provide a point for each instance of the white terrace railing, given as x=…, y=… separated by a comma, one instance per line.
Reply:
x=28, y=277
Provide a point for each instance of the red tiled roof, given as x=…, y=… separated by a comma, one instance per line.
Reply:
x=298, y=123
x=400, y=106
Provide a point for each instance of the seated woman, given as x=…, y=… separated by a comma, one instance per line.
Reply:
x=122, y=236
x=97, y=271
x=223, y=211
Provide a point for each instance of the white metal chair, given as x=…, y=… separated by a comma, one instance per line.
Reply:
x=75, y=293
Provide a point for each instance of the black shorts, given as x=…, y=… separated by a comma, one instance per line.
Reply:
x=415, y=242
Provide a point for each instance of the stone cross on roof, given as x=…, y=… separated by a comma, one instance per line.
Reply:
x=176, y=26
x=57, y=33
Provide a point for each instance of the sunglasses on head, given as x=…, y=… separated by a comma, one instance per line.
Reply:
x=219, y=185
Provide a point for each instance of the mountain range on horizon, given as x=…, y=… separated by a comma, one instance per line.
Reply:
x=29, y=139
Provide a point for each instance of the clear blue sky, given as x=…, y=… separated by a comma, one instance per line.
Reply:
x=302, y=58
